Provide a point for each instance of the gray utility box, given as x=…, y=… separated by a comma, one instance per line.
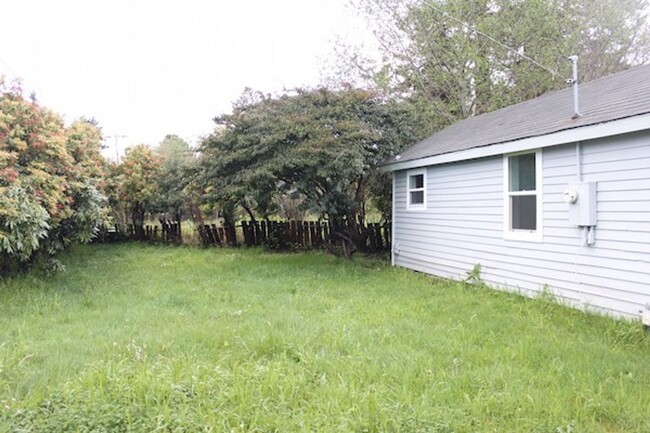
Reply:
x=581, y=198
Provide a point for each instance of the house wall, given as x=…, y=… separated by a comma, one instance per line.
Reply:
x=463, y=225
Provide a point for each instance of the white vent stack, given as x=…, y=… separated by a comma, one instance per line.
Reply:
x=574, y=81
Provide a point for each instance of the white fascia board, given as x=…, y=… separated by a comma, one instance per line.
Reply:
x=591, y=132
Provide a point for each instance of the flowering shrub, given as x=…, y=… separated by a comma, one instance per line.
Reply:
x=50, y=180
x=23, y=223
x=134, y=185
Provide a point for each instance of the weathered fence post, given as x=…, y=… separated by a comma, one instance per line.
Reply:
x=376, y=237
x=244, y=229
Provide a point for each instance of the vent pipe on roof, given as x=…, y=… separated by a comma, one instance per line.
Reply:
x=574, y=80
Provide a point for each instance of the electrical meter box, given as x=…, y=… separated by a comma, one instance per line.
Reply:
x=581, y=198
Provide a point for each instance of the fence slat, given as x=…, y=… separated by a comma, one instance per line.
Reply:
x=281, y=234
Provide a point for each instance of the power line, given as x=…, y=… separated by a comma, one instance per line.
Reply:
x=9, y=67
x=522, y=55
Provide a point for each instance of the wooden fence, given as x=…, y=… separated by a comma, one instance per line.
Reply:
x=289, y=234
x=211, y=234
x=280, y=235
x=166, y=232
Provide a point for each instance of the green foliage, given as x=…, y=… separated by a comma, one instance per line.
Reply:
x=177, y=167
x=155, y=182
x=32, y=142
x=133, y=185
x=474, y=276
x=90, y=212
x=84, y=144
x=321, y=146
x=86, y=183
x=438, y=56
x=50, y=180
x=23, y=223
x=137, y=338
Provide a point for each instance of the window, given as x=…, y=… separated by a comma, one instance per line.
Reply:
x=523, y=206
x=416, y=190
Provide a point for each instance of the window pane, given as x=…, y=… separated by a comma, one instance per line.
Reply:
x=522, y=172
x=524, y=212
x=416, y=181
x=417, y=197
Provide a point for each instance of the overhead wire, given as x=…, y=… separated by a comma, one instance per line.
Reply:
x=464, y=23
x=8, y=67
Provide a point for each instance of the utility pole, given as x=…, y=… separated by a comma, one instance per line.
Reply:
x=117, y=150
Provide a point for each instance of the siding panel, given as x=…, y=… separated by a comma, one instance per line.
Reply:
x=463, y=226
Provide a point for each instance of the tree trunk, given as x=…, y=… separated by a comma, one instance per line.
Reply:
x=256, y=226
x=179, y=235
x=137, y=218
x=340, y=242
x=231, y=234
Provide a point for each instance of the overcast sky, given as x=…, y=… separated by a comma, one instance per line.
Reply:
x=145, y=68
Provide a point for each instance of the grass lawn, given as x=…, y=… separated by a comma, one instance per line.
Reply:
x=143, y=338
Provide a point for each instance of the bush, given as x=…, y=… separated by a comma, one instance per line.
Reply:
x=49, y=181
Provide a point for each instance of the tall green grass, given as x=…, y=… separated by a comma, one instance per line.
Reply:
x=142, y=338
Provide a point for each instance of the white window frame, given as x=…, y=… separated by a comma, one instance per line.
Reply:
x=523, y=235
x=409, y=190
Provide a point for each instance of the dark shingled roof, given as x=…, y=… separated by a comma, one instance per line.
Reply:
x=614, y=97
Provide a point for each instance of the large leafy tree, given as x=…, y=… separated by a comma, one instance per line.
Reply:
x=237, y=158
x=177, y=161
x=449, y=59
x=134, y=185
x=321, y=145
x=84, y=144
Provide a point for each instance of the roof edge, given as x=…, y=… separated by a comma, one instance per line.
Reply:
x=589, y=132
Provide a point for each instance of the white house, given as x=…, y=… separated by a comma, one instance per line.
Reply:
x=538, y=197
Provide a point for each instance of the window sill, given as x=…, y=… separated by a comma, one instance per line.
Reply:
x=523, y=235
x=416, y=208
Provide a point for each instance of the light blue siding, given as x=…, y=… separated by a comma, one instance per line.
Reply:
x=463, y=226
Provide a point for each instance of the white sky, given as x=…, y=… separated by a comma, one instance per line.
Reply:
x=147, y=68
